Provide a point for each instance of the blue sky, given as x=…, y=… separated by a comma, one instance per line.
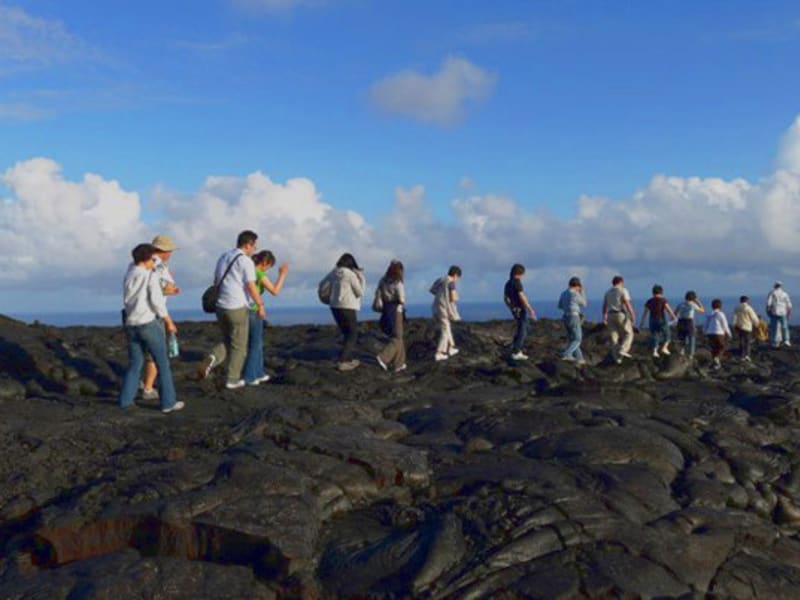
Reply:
x=536, y=102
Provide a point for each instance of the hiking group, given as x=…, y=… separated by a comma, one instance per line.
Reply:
x=240, y=280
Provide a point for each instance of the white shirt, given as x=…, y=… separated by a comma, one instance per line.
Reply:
x=615, y=300
x=778, y=302
x=717, y=324
x=161, y=271
x=233, y=289
x=142, y=297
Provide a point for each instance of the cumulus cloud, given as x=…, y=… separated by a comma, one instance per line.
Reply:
x=441, y=98
x=722, y=236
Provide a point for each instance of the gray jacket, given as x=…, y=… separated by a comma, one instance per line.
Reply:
x=347, y=288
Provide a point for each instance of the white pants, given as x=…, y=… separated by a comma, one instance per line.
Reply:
x=446, y=341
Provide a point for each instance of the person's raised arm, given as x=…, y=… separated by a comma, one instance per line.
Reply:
x=275, y=288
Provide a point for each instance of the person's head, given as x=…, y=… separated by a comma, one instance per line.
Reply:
x=778, y=284
x=454, y=272
x=395, y=271
x=143, y=255
x=517, y=271
x=347, y=261
x=246, y=242
x=618, y=280
x=716, y=304
x=657, y=290
x=164, y=246
x=264, y=259
x=574, y=282
x=690, y=296
x=744, y=299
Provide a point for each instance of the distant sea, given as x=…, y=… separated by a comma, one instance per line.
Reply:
x=320, y=315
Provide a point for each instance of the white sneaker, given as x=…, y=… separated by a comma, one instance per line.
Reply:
x=747, y=359
x=235, y=385
x=453, y=351
x=441, y=356
x=568, y=358
x=665, y=351
x=149, y=394
x=787, y=344
x=581, y=362
x=655, y=353
x=519, y=356
x=381, y=363
x=402, y=367
x=206, y=366
x=259, y=381
x=626, y=354
x=175, y=407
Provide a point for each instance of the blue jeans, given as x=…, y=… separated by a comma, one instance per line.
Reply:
x=523, y=329
x=574, y=335
x=776, y=321
x=659, y=332
x=147, y=338
x=254, y=363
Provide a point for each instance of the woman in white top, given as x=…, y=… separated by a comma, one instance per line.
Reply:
x=717, y=331
x=686, y=311
x=745, y=320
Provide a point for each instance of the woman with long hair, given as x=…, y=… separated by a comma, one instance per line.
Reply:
x=391, y=295
x=343, y=288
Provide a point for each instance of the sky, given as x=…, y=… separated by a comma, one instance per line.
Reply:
x=657, y=139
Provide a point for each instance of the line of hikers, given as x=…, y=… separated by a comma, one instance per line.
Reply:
x=240, y=280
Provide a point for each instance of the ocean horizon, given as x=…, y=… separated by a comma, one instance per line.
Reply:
x=320, y=315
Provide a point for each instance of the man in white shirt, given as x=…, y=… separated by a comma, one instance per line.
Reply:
x=145, y=318
x=235, y=277
x=779, y=309
x=619, y=317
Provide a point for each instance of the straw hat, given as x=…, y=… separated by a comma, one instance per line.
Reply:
x=164, y=243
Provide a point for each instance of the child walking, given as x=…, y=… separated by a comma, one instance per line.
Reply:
x=658, y=308
x=717, y=331
x=687, y=333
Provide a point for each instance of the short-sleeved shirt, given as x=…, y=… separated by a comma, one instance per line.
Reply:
x=233, y=288
x=615, y=299
x=657, y=306
x=511, y=293
x=687, y=309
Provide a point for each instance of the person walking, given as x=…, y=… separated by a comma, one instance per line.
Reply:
x=521, y=309
x=235, y=278
x=658, y=308
x=391, y=296
x=253, y=372
x=619, y=317
x=717, y=331
x=146, y=318
x=779, y=310
x=164, y=247
x=445, y=310
x=571, y=301
x=344, y=287
x=687, y=331
x=745, y=321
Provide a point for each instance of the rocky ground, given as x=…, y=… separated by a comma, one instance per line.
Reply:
x=475, y=477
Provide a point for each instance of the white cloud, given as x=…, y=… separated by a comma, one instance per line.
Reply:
x=441, y=98
x=32, y=42
x=789, y=154
x=721, y=236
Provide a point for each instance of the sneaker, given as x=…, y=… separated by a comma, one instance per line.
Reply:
x=581, y=363
x=747, y=359
x=348, y=365
x=381, y=363
x=149, y=394
x=402, y=367
x=787, y=344
x=441, y=356
x=259, y=380
x=175, y=407
x=619, y=361
x=655, y=353
x=665, y=351
x=453, y=352
x=234, y=385
x=519, y=356
x=568, y=358
x=626, y=354
x=206, y=366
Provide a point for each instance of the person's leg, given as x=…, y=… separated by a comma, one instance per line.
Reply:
x=156, y=343
x=773, y=330
x=400, y=357
x=150, y=374
x=666, y=336
x=445, y=335
x=343, y=324
x=626, y=341
x=574, y=335
x=691, y=341
x=655, y=334
x=393, y=353
x=130, y=384
x=521, y=333
x=746, y=343
x=254, y=362
x=615, y=332
x=785, y=329
x=238, y=323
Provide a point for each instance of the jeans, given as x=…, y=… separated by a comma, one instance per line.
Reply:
x=523, y=329
x=688, y=335
x=659, y=332
x=254, y=363
x=347, y=320
x=150, y=338
x=574, y=335
x=776, y=321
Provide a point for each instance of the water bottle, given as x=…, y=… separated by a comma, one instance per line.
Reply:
x=173, y=349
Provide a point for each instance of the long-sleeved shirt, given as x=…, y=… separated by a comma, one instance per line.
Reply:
x=142, y=297
x=778, y=302
x=717, y=324
x=571, y=301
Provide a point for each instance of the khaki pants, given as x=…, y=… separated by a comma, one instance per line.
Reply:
x=620, y=328
x=234, y=325
x=394, y=353
x=446, y=341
